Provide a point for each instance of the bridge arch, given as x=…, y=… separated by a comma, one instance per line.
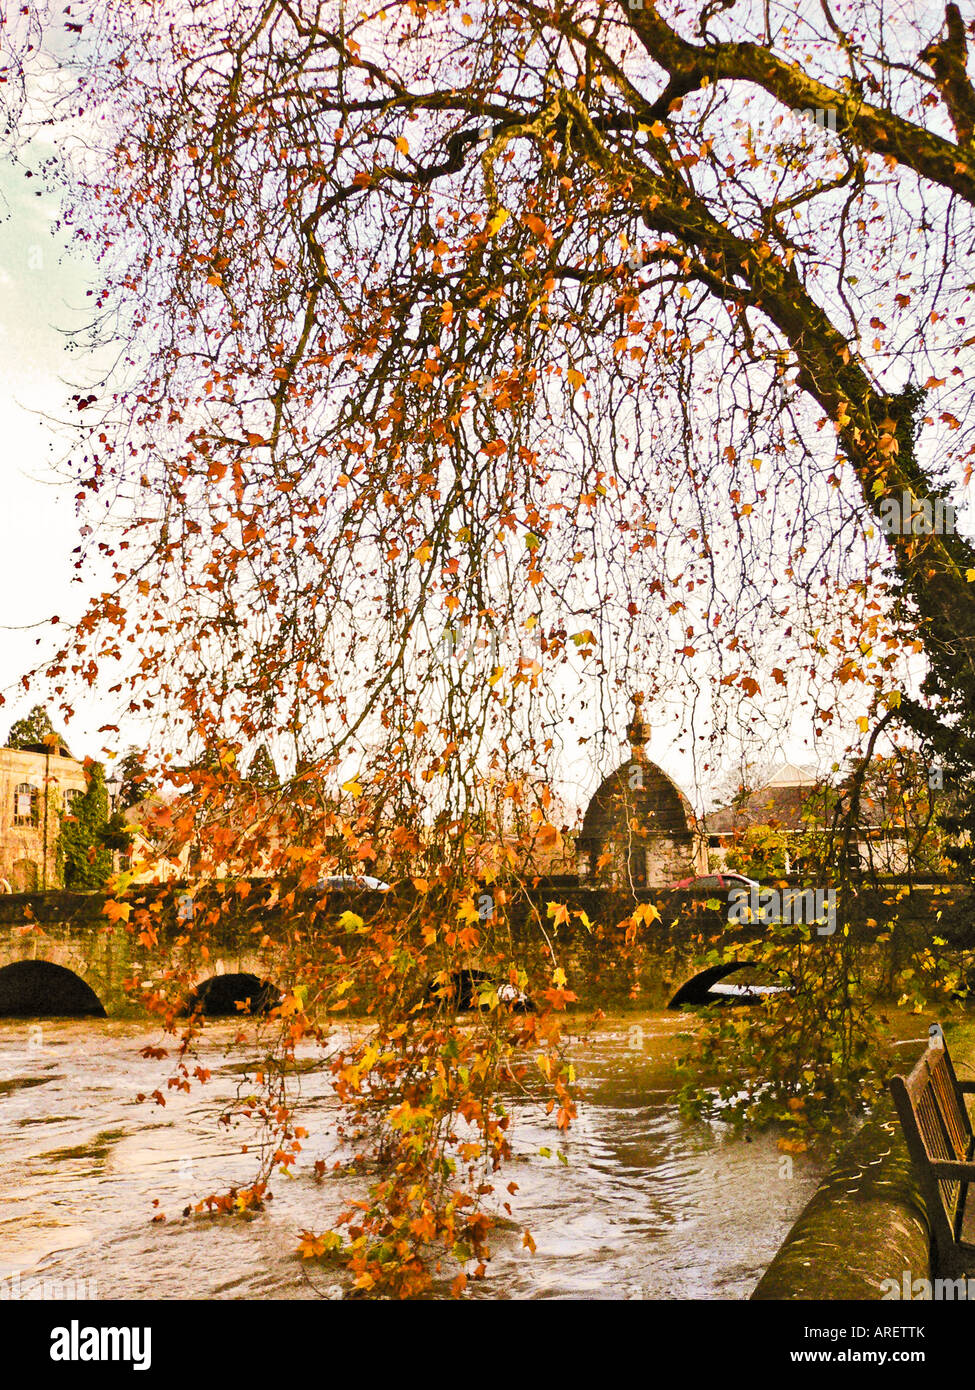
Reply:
x=233, y=994
x=41, y=989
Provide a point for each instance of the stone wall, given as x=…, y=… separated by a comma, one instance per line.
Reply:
x=864, y=1225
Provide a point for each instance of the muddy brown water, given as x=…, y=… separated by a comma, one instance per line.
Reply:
x=646, y=1206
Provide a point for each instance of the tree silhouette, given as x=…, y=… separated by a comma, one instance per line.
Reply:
x=35, y=730
x=136, y=783
x=85, y=858
x=262, y=771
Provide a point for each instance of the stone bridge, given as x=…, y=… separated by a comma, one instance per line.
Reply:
x=190, y=930
x=235, y=932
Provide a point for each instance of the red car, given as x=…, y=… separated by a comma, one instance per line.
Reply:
x=715, y=883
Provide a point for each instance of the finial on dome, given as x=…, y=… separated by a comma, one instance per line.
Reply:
x=636, y=730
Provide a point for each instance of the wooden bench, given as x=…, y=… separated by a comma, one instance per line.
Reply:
x=931, y=1107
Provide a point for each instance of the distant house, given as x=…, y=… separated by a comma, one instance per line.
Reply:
x=798, y=803
x=778, y=801
x=145, y=857
x=37, y=783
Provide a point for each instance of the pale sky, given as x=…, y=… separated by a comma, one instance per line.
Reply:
x=42, y=294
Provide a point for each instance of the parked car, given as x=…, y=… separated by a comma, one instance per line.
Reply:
x=715, y=883
x=465, y=988
x=738, y=887
x=353, y=881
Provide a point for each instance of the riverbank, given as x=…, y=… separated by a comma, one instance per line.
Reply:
x=865, y=1225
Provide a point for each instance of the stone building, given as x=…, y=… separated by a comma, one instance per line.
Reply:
x=639, y=828
x=36, y=783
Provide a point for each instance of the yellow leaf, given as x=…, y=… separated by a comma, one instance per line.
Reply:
x=863, y=723
x=403, y=145
x=352, y=786
x=498, y=221
x=646, y=912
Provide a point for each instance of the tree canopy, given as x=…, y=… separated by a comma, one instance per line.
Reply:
x=262, y=771
x=35, y=730
x=576, y=317
x=136, y=781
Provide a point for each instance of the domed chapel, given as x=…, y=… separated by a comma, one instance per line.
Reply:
x=639, y=829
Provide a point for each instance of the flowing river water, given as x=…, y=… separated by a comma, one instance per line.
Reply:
x=648, y=1205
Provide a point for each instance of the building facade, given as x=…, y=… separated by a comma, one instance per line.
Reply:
x=36, y=785
x=803, y=809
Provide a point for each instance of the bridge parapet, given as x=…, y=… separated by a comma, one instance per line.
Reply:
x=213, y=928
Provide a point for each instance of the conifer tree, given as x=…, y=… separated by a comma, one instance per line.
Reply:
x=84, y=857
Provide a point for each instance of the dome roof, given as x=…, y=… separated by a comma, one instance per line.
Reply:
x=641, y=791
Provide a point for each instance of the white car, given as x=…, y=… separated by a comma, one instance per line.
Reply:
x=373, y=885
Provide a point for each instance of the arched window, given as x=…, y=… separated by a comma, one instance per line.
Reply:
x=25, y=804
x=71, y=795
